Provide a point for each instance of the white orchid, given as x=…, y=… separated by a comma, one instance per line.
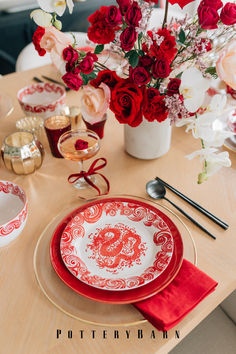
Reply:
x=205, y=125
x=57, y=6
x=193, y=88
x=41, y=18
x=213, y=161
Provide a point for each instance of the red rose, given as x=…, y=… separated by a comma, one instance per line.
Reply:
x=108, y=77
x=139, y=75
x=81, y=144
x=70, y=54
x=215, y=4
x=145, y=61
x=228, y=14
x=168, y=46
x=161, y=67
x=123, y=5
x=70, y=66
x=133, y=14
x=126, y=103
x=208, y=17
x=173, y=87
x=72, y=81
x=86, y=65
x=128, y=38
x=38, y=34
x=181, y=3
x=113, y=16
x=154, y=106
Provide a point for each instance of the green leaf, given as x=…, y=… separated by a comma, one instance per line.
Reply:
x=85, y=78
x=141, y=53
x=99, y=48
x=134, y=59
x=212, y=71
x=182, y=36
x=179, y=75
x=128, y=54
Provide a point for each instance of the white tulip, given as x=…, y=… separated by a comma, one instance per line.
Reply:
x=57, y=6
x=41, y=18
x=193, y=88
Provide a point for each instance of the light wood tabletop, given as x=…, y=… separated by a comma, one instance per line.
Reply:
x=28, y=321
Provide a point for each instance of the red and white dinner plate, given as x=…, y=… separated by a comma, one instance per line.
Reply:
x=119, y=296
x=117, y=244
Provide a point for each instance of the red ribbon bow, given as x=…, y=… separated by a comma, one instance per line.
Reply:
x=92, y=171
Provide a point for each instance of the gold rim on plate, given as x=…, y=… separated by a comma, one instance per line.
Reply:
x=58, y=306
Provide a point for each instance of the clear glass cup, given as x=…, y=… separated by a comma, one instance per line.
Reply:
x=79, y=145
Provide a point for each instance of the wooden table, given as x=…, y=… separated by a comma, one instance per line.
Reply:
x=28, y=320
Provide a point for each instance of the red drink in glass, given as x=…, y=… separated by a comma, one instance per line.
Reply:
x=97, y=127
x=55, y=127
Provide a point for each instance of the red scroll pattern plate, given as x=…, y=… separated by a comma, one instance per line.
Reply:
x=118, y=244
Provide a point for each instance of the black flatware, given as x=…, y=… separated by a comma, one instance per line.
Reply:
x=37, y=79
x=156, y=190
x=195, y=205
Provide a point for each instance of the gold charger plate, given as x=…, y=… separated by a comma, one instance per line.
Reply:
x=79, y=307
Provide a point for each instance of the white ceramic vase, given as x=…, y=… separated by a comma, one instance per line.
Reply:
x=149, y=140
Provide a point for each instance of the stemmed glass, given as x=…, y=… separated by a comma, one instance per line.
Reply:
x=79, y=145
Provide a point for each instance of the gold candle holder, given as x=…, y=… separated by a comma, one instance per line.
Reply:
x=22, y=153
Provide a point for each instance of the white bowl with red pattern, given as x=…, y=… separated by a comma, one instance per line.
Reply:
x=42, y=99
x=13, y=211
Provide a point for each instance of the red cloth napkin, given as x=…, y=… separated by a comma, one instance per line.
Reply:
x=167, y=308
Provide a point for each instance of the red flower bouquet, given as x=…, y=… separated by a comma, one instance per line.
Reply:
x=162, y=72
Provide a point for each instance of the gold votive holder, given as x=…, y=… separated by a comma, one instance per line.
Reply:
x=22, y=153
x=31, y=124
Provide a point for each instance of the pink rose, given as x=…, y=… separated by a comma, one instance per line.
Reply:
x=95, y=102
x=54, y=42
x=226, y=64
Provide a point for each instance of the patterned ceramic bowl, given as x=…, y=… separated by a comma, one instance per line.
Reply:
x=13, y=211
x=42, y=99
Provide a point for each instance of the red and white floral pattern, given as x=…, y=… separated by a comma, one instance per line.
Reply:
x=9, y=230
x=128, y=236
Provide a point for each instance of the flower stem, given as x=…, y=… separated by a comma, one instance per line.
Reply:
x=166, y=14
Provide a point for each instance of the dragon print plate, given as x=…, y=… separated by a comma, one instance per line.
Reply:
x=119, y=244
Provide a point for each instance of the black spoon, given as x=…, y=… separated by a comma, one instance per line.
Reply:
x=156, y=190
